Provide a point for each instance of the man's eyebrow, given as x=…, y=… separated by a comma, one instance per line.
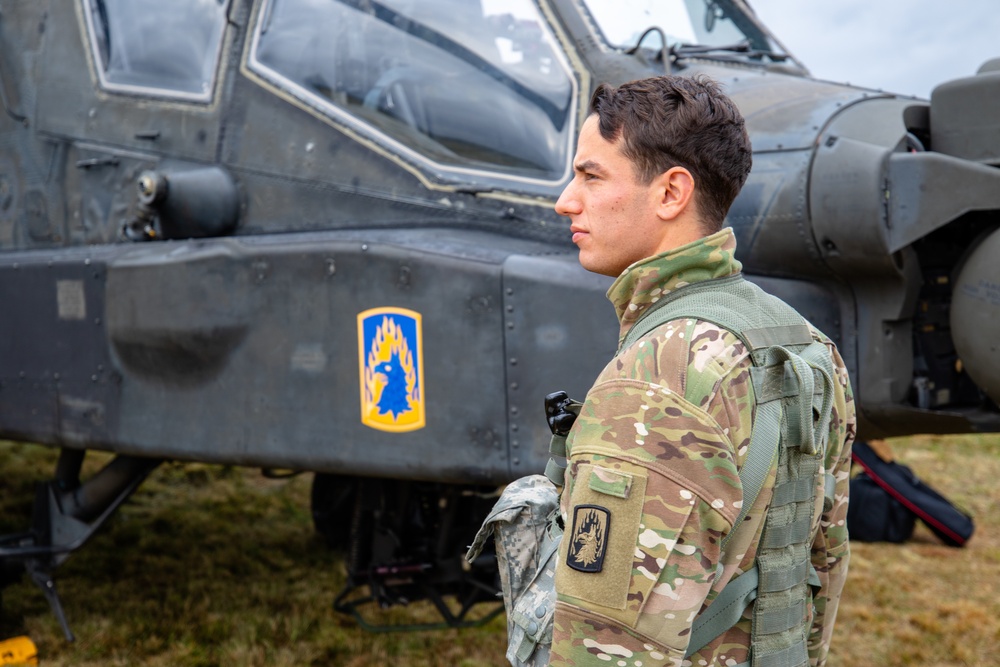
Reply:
x=589, y=166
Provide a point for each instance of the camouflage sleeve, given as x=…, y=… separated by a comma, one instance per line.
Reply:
x=831, y=550
x=651, y=488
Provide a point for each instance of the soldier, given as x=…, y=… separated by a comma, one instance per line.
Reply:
x=654, y=485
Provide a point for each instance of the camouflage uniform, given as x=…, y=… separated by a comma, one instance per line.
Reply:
x=652, y=485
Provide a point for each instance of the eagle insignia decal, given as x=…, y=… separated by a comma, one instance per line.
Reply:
x=390, y=351
x=589, y=539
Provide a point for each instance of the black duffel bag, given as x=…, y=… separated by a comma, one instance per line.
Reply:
x=875, y=516
x=882, y=517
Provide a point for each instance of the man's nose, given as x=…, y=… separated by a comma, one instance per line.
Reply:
x=568, y=203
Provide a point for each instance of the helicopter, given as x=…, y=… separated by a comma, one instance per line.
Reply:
x=318, y=236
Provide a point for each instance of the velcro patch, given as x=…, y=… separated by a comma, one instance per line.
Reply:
x=610, y=482
x=589, y=538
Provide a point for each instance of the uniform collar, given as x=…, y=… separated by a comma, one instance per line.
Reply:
x=643, y=283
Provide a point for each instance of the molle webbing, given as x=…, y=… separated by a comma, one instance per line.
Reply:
x=792, y=378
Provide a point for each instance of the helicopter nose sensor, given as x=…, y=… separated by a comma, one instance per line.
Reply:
x=180, y=204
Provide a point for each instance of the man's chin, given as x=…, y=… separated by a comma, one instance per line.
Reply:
x=594, y=265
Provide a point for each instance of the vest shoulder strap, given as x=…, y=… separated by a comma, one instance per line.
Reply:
x=759, y=319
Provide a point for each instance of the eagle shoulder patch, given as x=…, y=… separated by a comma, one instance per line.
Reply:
x=589, y=538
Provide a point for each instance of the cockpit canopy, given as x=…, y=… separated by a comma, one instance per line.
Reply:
x=462, y=89
x=163, y=49
x=466, y=85
x=706, y=24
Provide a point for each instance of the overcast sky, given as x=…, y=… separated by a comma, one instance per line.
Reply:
x=901, y=46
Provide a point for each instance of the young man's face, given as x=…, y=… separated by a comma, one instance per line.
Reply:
x=614, y=219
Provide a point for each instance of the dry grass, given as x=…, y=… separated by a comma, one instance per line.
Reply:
x=922, y=603
x=210, y=565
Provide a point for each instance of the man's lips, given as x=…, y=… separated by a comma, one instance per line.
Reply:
x=578, y=233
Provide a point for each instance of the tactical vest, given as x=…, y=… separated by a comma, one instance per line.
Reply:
x=792, y=376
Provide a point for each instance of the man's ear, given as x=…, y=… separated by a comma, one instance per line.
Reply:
x=674, y=190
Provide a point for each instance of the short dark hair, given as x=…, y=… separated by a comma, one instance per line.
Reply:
x=675, y=121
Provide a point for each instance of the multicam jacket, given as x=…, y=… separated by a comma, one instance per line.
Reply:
x=652, y=485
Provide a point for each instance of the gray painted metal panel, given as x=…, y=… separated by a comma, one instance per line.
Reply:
x=255, y=349
x=965, y=117
x=560, y=332
x=770, y=218
x=930, y=190
x=784, y=112
x=57, y=382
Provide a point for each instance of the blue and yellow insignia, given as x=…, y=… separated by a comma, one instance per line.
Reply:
x=391, y=359
x=589, y=538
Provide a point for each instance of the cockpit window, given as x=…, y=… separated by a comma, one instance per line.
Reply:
x=156, y=47
x=467, y=84
x=708, y=23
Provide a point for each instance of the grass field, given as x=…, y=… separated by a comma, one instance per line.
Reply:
x=209, y=565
